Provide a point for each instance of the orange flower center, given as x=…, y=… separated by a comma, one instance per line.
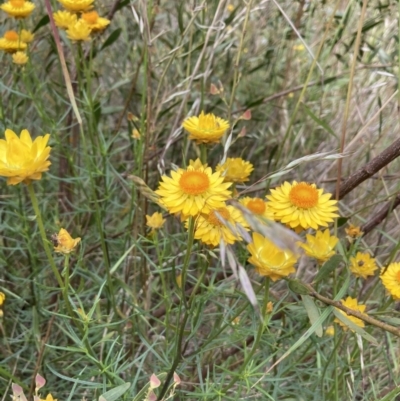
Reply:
x=398, y=276
x=11, y=35
x=304, y=195
x=17, y=3
x=90, y=17
x=256, y=205
x=194, y=182
x=214, y=216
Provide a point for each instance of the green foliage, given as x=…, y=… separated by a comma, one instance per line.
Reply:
x=129, y=301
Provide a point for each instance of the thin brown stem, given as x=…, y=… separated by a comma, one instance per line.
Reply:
x=366, y=318
x=367, y=171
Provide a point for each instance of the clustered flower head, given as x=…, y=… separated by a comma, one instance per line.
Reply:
x=64, y=243
x=302, y=205
x=235, y=169
x=79, y=29
x=390, y=278
x=270, y=260
x=363, y=265
x=16, y=45
x=155, y=221
x=206, y=128
x=23, y=159
x=193, y=190
x=13, y=42
x=320, y=246
x=220, y=224
x=18, y=8
x=258, y=207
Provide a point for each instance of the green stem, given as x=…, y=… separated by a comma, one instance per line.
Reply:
x=256, y=342
x=47, y=248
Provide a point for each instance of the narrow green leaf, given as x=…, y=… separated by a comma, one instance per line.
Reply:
x=341, y=221
x=112, y=38
x=115, y=393
x=297, y=287
x=328, y=267
x=43, y=21
x=320, y=122
x=354, y=327
x=390, y=396
x=312, y=312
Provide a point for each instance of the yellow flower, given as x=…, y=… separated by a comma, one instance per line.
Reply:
x=18, y=8
x=11, y=42
x=135, y=134
x=48, y=398
x=351, y=303
x=210, y=229
x=64, y=19
x=197, y=164
x=258, y=207
x=64, y=243
x=353, y=232
x=95, y=22
x=299, y=48
x=270, y=307
x=235, y=169
x=391, y=279
x=362, y=265
x=302, y=204
x=270, y=260
x=155, y=221
x=27, y=36
x=20, y=58
x=77, y=5
x=193, y=191
x=330, y=331
x=21, y=159
x=206, y=128
x=2, y=298
x=79, y=31
x=321, y=246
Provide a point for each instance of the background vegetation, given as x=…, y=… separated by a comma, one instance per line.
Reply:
x=311, y=87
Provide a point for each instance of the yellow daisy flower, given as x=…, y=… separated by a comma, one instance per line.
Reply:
x=320, y=246
x=193, y=191
x=11, y=42
x=235, y=169
x=20, y=58
x=64, y=19
x=21, y=159
x=210, y=229
x=18, y=8
x=302, y=204
x=95, y=22
x=391, y=279
x=206, y=128
x=64, y=243
x=353, y=232
x=258, y=207
x=270, y=260
x=77, y=5
x=351, y=303
x=362, y=265
x=79, y=31
x=26, y=36
x=155, y=221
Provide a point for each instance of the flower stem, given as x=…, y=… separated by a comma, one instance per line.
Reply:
x=47, y=248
